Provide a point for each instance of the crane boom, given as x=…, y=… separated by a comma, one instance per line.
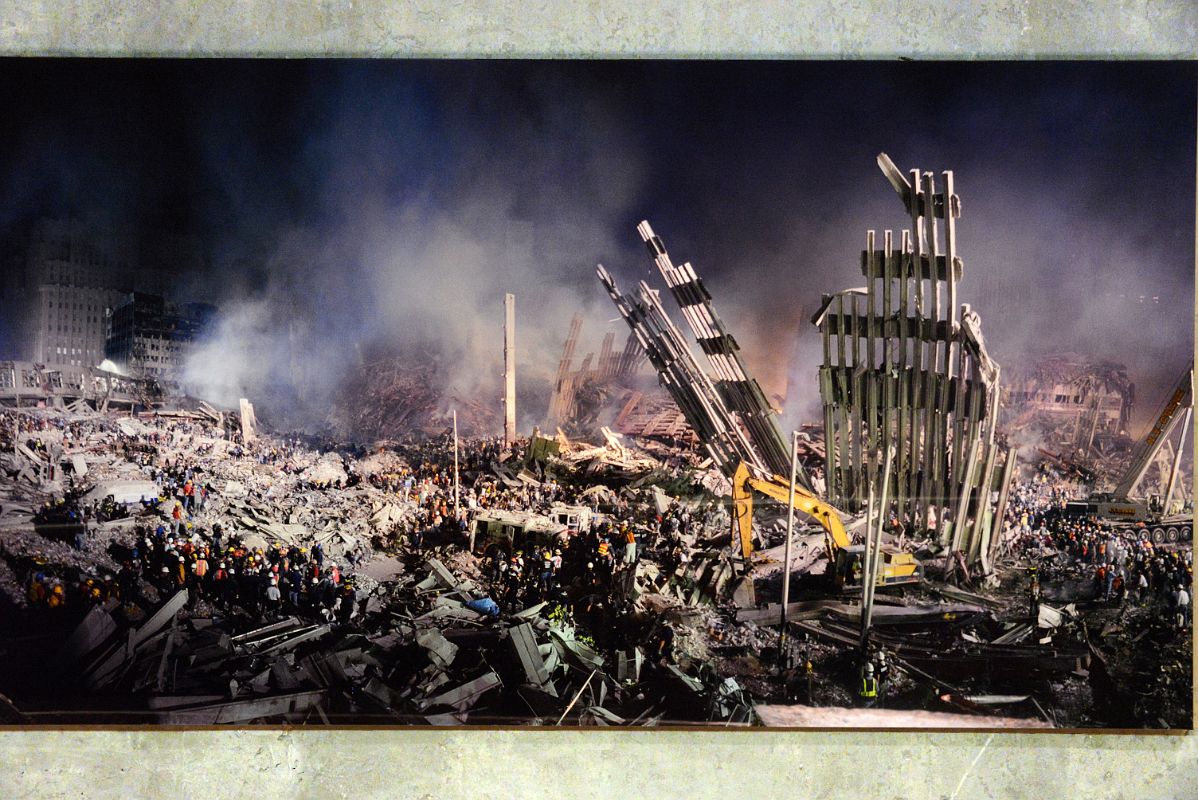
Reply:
x=1180, y=399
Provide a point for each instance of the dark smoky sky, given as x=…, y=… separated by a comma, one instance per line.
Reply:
x=323, y=204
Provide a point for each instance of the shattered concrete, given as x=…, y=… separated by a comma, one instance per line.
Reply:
x=632, y=610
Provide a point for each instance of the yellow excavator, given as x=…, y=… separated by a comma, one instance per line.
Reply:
x=846, y=558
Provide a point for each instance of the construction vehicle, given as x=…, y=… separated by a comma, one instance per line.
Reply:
x=574, y=518
x=1117, y=507
x=846, y=558
x=515, y=530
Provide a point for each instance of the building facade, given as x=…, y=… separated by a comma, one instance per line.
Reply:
x=149, y=337
x=59, y=288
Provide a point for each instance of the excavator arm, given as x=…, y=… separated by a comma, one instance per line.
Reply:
x=846, y=559
x=743, y=486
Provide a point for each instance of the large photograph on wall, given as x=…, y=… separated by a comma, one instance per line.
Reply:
x=597, y=393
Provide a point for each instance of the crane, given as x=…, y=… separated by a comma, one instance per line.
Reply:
x=1118, y=506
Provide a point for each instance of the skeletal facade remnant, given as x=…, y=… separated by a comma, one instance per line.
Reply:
x=509, y=368
x=729, y=415
x=680, y=373
x=579, y=395
x=561, y=395
x=741, y=393
x=905, y=367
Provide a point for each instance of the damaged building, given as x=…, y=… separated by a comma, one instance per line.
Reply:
x=614, y=389
x=906, y=369
x=1072, y=406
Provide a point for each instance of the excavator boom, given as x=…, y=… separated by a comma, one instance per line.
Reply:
x=845, y=557
x=743, y=486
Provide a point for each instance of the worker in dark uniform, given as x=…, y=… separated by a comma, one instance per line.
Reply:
x=665, y=643
x=1034, y=596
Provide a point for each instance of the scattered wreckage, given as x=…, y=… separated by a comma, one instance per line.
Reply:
x=900, y=557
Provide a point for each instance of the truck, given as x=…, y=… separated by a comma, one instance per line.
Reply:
x=1154, y=514
x=576, y=518
x=515, y=530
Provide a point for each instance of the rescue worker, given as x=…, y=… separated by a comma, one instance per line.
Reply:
x=883, y=669
x=38, y=592
x=57, y=597
x=349, y=599
x=1034, y=595
x=201, y=565
x=868, y=693
x=665, y=642
x=629, y=545
x=1183, y=607
x=273, y=596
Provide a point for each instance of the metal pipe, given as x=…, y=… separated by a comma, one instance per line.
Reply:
x=456, y=492
x=790, y=526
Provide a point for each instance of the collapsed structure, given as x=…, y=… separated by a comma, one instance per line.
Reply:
x=30, y=384
x=904, y=368
x=572, y=579
x=1088, y=403
x=578, y=395
x=730, y=415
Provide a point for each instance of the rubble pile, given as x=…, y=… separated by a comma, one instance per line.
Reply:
x=578, y=583
x=398, y=395
x=422, y=641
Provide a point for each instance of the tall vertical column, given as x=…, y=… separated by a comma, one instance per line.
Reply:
x=557, y=400
x=509, y=368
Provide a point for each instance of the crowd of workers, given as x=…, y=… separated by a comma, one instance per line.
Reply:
x=585, y=574
x=1125, y=564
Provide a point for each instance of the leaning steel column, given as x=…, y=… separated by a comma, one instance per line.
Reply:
x=905, y=431
x=741, y=393
x=1000, y=511
x=828, y=394
x=509, y=368
x=927, y=256
x=871, y=401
